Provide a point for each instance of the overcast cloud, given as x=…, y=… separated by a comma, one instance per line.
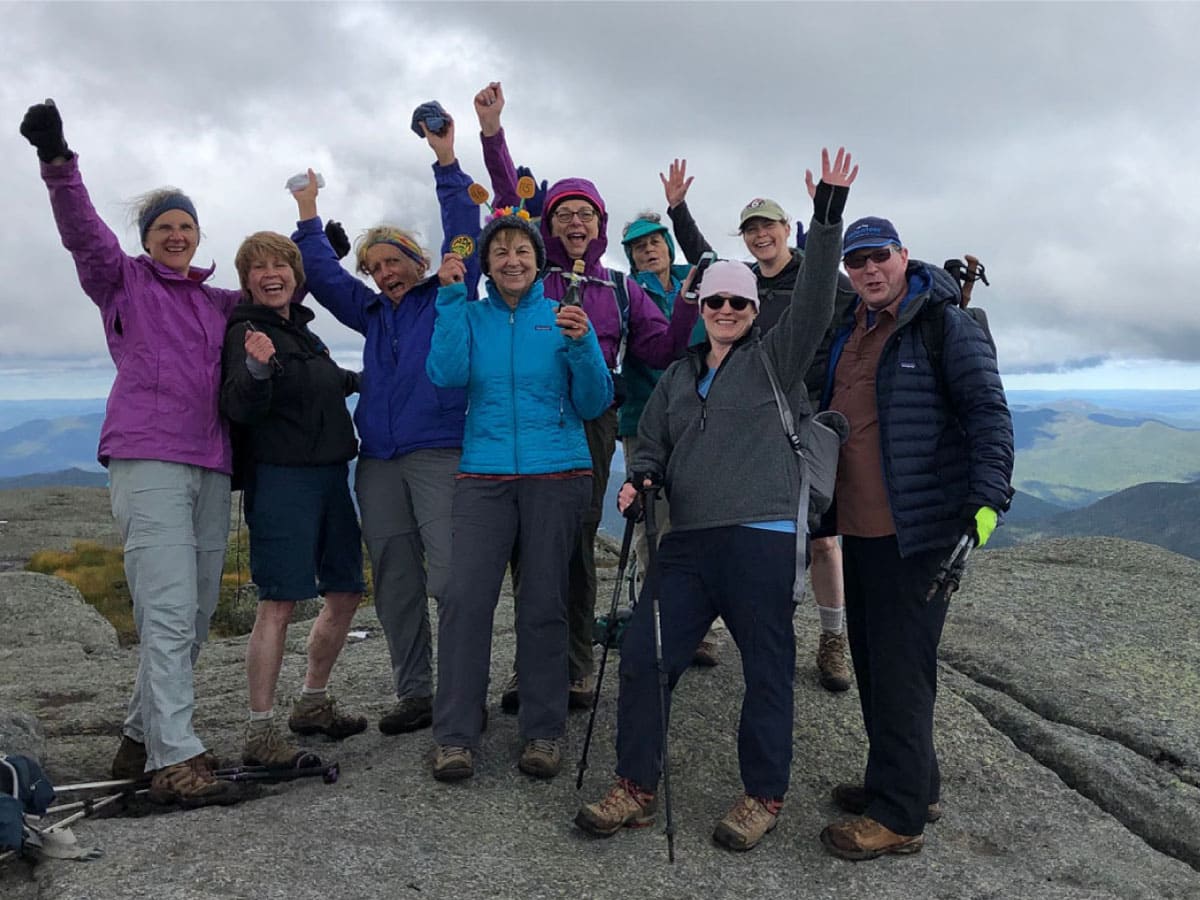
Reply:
x=1055, y=141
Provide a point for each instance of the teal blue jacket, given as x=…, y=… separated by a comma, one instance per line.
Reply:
x=529, y=387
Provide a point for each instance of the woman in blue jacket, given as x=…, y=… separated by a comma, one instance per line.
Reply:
x=410, y=430
x=533, y=372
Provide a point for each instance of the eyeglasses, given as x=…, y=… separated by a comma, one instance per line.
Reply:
x=564, y=216
x=715, y=302
x=879, y=257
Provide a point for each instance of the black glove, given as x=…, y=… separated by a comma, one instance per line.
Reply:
x=42, y=127
x=634, y=509
x=336, y=235
x=829, y=202
x=535, y=204
x=351, y=382
x=620, y=390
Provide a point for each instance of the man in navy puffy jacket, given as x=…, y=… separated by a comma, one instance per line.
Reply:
x=929, y=458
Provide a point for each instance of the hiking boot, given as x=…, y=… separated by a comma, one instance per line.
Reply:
x=510, y=700
x=864, y=838
x=747, y=823
x=191, y=784
x=409, y=714
x=541, y=758
x=853, y=799
x=625, y=806
x=832, y=669
x=707, y=653
x=130, y=761
x=579, y=694
x=322, y=716
x=266, y=746
x=452, y=763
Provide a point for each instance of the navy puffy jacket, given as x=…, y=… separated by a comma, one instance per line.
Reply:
x=947, y=443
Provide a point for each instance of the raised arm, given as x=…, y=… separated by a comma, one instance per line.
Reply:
x=99, y=259
x=489, y=103
x=793, y=342
x=333, y=287
x=687, y=234
x=460, y=214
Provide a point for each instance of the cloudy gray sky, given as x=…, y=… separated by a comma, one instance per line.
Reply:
x=1055, y=141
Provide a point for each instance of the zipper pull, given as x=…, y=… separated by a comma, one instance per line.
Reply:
x=703, y=413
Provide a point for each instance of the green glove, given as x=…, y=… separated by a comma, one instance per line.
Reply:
x=985, y=524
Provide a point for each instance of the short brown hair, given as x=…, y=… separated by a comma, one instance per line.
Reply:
x=263, y=244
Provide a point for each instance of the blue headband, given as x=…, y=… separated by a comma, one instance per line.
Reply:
x=175, y=200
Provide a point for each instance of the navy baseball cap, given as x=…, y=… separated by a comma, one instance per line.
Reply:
x=869, y=233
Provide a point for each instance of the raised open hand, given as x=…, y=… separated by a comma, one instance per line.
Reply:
x=837, y=174
x=676, y=183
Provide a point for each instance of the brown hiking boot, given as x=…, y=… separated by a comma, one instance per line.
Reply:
x=625, y=806
x=510, y=699
x=452, y=763
x=579, y=694
x=852, y=798
x=130, y=761
x=541, y=758
x=833, y=672
x=708, y=652
x=191, y=784
x=265, y=746
x=322, y=716
x=864, y=838
x=747, y=823
x=409, y=714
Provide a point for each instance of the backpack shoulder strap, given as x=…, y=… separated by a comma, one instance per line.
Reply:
x=621, y=294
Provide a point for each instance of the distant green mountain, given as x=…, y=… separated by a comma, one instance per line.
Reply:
x=1076, y=455
x=1159, y=513
x=1027, y=508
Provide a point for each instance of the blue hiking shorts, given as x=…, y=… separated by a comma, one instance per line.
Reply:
x=304, y=534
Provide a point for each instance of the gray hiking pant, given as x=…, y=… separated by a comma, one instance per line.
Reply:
x=581, y=597
x=541, y=517
x=405, y=505
x=174, y=520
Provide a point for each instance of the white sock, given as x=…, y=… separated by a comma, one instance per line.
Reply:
x=831, y=618
x=307, y=693
x=262, y=720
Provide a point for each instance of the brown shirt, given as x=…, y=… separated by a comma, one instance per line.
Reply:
x=862, y=499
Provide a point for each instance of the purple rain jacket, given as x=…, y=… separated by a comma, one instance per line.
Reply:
x=651, y=337
x=165, y=332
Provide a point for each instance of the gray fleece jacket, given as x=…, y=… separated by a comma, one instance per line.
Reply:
x=725, y=460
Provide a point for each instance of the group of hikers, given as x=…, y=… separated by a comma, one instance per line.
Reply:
x=484, y=431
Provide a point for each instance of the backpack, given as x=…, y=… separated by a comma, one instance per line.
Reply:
x=24, y=789
x=933, y=333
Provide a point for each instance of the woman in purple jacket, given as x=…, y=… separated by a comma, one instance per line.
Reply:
x=574, y=227
x=166, y=449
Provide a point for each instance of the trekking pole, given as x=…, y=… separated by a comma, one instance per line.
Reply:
x=610, y=631
x=650, y=495
x=950, y=572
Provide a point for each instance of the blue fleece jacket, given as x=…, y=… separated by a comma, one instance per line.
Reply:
x=530, y=387
x=399, y=408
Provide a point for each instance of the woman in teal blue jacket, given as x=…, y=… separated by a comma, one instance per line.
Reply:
x=534, y=372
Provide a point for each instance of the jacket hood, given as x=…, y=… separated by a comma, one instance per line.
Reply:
x=556, y=253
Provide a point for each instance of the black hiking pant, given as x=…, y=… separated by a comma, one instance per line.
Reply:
x=894, y=636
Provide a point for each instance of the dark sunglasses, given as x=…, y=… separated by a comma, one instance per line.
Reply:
x=879, y=257
x=716, y=302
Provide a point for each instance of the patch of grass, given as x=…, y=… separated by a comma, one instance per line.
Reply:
x=98, y=573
